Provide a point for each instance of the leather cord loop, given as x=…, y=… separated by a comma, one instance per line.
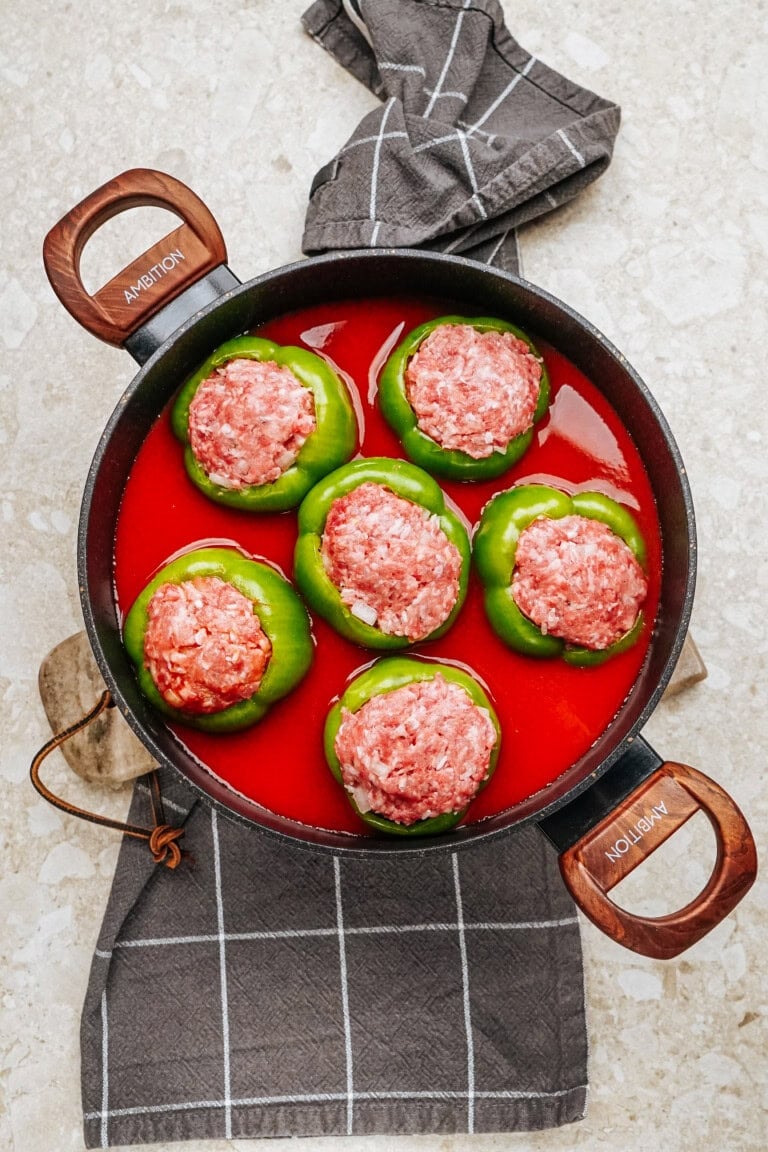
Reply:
x=162, y=838
x=163, y=846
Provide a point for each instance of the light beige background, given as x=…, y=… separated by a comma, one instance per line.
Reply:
x=666, y=254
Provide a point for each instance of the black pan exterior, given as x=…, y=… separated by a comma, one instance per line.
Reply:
x=474, y=289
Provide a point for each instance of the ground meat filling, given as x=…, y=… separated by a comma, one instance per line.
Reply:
x=578, y=580
x=248, y=421
x=416, y=752
x=204, y=646
x=473, y=391
x=393, y=565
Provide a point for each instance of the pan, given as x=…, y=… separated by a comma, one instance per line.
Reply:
x=178, y=301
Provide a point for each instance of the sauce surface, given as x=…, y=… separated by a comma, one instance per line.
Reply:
x=550, y=713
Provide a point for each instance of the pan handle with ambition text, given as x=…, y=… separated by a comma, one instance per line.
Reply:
x=620, y=842
x=152, y=280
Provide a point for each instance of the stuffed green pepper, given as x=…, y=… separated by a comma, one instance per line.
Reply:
x=261, y=423
x=563, y=575
x=463, y=395
x=380, y=555
x=217, y=638
x=412, y=742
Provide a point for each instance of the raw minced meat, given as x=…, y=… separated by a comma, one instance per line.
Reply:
x=578, y=580
x=473, y=391
x=248, y=421
x=204, y=645
x=392, y=563
x=415, y=752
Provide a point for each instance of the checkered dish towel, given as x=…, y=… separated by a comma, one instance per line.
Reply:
x=474, y=136
x=264, y=990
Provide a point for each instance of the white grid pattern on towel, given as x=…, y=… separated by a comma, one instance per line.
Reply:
x=331, y=1097
x=350, y=1096
x=465, y=998
x=104, y=1133
x=448, y=59
x=391, y=66
x=502, y=96
x=366, y=930
x=344, y=993
x=457, y=135
x=471, y=173
x=571, y=147
x=379, y=139
x=446, y=95
x=373, y=140
x=223, y=976
x=375, y=173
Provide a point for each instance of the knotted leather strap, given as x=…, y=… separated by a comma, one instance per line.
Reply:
x=162, y=838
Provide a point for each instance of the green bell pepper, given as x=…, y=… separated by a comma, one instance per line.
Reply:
x=422, y=449
x=281, y=614
x=319, y=591
x=494, y=548
x=385, y=676
x=332, y=442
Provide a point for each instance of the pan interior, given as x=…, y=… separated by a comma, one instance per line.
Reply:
x=477, y=290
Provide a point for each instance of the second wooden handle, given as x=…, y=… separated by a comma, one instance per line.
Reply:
x=629, y=834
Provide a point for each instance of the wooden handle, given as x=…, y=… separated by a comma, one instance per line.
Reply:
x=186, y=254
x=620, y=842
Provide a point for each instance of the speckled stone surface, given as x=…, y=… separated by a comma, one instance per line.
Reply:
x=666, y=253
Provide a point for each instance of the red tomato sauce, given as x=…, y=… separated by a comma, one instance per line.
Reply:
x=550, y=713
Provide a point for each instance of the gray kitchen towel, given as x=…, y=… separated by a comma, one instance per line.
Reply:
x=474, y=136
x=265, y=990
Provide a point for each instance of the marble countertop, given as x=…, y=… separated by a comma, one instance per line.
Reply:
x=666, y=253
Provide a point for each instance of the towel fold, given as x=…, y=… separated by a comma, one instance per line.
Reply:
x=473, y=138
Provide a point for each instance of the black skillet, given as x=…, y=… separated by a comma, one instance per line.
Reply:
x=178, y=301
